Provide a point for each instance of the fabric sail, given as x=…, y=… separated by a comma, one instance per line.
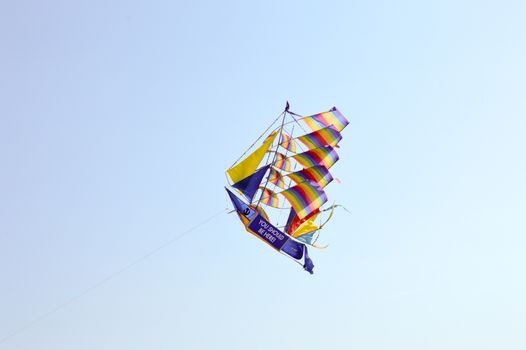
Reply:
x=327, y=136
x=276, y=178
x=290, y=219
x=250, y=184
x=325, y=156
x=308, y=238
x=249, y=165
x=269, y=198
x=320, y=120
x=306, y=227
x=283, y=162
x=294, y=221
x=305, y=198
x=317, y=173
x=288, y=143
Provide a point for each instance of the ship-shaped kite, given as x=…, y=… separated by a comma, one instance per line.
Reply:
x=278, y=189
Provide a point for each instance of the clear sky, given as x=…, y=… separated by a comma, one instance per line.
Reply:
x=119, y=118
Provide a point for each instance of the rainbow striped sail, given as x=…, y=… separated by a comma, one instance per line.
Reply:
x=288, y=143
x=332, y=117
x=317, y=173
x=328, y=136
x=289, y=172
x=325, y=156
x=269, y=198
x=276, y=178
x=305, y=198
x=283, y=162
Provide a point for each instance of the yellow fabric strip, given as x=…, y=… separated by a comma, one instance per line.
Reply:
x=330, y=216
x=249, y=165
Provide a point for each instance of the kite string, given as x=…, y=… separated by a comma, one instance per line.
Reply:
x=106, y=279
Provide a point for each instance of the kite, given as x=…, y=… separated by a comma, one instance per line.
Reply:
x=288, y=172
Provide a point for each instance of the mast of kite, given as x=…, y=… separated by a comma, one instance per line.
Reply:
x=275, y=156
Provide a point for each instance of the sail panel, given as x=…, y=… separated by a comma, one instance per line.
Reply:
x=320, y=120
x=327, y=136
x=283, y=162
x=249, y=165
x=308, y=226
x=288, y=143
x=269, y=198
x=325, y=156
x=250, y=184
x=290, y=219
x=294, y=221
x=308, y=238
x=305, y=198
x=317, y=173
x=276, y=178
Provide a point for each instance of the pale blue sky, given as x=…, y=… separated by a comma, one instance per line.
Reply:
x=118, y=120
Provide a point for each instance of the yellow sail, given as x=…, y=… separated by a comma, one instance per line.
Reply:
x=307, y=227
x=251, y=163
